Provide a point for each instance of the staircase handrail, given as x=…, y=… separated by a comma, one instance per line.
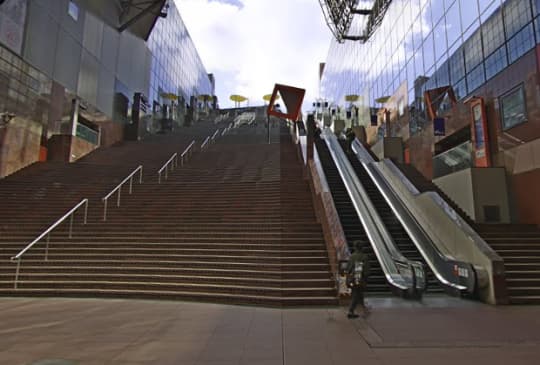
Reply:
x=405, y=276
x=458, y=277
x=214, y=135
x=205, y=142
x=118, y=188
x=188, y=151
x=173, y=161
x=47, y=233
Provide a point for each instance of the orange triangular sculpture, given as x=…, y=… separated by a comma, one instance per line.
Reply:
x=292, y=97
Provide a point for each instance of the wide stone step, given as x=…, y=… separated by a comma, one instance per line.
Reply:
x=257, y=272
x=252, y=257
x=525, y=299
x=183, y=252
x=265, y=265
x=171, y=278
x=523, y=291
x=105, y=284
x=126, y=245
x=227, y=298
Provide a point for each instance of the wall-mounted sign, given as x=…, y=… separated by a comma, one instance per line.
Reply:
x=479, y=133
x=438, y=127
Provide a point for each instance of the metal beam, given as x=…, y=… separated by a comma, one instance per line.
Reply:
x=148, y=9
x=362, y=11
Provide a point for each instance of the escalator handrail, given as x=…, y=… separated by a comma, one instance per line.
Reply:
x=318, y=165
x=447, y=209
x=444, y=267
x=383, y=245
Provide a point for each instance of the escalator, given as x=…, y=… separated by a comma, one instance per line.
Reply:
x=394, y=226
x=410, y=259
x=517, y=244
x=352, y=227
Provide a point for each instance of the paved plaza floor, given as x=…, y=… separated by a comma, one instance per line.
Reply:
x=134, y=332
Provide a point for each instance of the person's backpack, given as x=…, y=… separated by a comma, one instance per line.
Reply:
x=356, y=276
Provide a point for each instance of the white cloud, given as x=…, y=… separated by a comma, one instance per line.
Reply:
x=251, y=47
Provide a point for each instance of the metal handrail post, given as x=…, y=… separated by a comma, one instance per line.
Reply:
x=105, y=209
x=118, y=198
x=70, y=225
x=86, y=212
x=17, y=270
x=171, y=161
x=47, y=233
x=119, y=188
x=47, y=247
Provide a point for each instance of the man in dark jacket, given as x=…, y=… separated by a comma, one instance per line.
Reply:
x=350, y=135
x=357, y=273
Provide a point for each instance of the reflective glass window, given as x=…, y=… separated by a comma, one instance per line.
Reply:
x=460, y=89
x=417, y=32
x=473, y=51
x=521, y=43
x=493, y=33
x=426, y=14
x=487, y=10
x=517, y=13
x=469, y=13
x=439, y=39
x=429, y=53
x=476, y=77
x=496, y=62
x=410, y=74
x=453, y=23
x=537, y=27
x=409, y=44
x=437, y=10
x=418, y=62
x=442, y=75
x=513, y=109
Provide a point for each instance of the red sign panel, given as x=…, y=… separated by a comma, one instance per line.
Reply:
x=479, y=134
x=292, y=98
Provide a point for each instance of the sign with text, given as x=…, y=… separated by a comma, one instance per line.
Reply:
x=438, y=127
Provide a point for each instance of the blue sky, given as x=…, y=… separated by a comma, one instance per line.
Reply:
x=237, y=3
x=250, y=45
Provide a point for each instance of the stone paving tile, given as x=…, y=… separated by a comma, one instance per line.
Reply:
x=111, y=332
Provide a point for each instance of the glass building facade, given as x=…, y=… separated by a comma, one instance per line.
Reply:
x=425, y=44
x=54, y=54
x=176, y=66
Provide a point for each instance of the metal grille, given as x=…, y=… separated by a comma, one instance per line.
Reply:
x=339, y=15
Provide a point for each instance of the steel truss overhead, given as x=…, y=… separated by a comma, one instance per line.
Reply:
x=131, y=11
x=339, y=16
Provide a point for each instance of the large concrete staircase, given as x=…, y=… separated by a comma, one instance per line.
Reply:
x=234, y=225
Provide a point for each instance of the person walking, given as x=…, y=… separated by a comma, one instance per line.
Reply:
x=357, y=272
x=350, y=136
